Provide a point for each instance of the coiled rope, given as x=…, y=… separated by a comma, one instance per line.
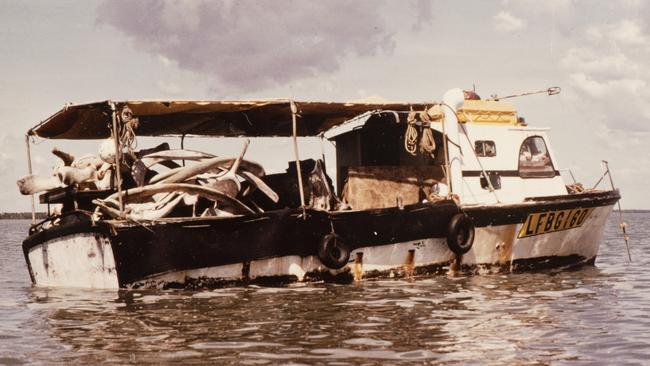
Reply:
x=127, y=133
x=427, y=143
x=411, y=135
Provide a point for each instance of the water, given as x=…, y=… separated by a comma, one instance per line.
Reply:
x=595, y=315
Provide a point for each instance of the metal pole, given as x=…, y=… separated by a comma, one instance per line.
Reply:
x=29, y=169
x=620, y=213
x=118, y=159
x=485, y=174
x=183, y=146
x=444, y=145
x=294, y=111
x=572, y=177
x=453, y=100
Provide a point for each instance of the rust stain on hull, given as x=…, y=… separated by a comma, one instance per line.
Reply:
x=455, y=266
x=505, y=243
x=410, y=263
x=245, y=271
x=358, y=267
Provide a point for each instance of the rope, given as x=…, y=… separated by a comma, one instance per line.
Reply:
x=411, y=135
x=127, y=133
x=575, y=188
x=427, y=143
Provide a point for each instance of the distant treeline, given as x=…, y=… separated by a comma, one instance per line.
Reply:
x=20, y=215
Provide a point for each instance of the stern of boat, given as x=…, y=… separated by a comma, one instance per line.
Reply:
x=72, y=253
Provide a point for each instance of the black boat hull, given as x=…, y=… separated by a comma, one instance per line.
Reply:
x=283, y=246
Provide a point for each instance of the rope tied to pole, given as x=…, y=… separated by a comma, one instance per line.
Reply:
x=621, y=222
x=411, y=134
x=427, y=143
x=127, y=130
x=412, y=139
x=118, y=155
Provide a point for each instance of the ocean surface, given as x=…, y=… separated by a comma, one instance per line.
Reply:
x=591, y=316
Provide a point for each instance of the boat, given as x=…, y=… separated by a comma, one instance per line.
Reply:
x=463, y=185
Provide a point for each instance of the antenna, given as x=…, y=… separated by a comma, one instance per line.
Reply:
x=550, y=91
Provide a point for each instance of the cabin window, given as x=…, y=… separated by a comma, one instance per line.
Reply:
x=495, y=180
x=485, y=148
x=534, y=159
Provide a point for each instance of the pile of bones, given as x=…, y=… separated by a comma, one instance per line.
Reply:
x=206, y=186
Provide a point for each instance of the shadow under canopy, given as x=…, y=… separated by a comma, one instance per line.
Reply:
x=207, y=118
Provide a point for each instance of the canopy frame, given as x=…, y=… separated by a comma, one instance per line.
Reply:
x=264, y=118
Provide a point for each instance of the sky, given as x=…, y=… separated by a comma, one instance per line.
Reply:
x=598, y=52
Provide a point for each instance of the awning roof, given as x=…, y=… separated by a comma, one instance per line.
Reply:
x=206, y=118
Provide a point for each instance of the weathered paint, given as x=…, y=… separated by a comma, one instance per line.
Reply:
x=583, y=240
x=86, y=259
x=225, y=273
x=492, y=244
x=78, y=260
x=392, y=256
x=289, y=265
x=410, y=263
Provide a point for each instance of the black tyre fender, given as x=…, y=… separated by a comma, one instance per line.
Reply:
x=460, y=234
x=333, y=252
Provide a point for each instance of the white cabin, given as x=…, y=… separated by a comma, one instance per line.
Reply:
x=489, y=138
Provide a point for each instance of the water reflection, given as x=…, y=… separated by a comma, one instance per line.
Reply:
x=490, y=318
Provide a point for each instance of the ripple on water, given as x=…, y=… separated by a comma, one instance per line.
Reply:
x=368, y=342
x=592, y=315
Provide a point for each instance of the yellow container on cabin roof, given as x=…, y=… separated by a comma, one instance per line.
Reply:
x=488, y=111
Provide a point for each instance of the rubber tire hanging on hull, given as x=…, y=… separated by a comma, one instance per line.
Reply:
x=460, y=234
x=333, y=252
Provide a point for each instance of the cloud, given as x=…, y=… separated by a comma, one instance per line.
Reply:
x=598, y=89
x=247, y=45
x=507, y=22
x=627, y=32
x=169, y=88
x=8, y=151
x=547, y=5
x=610, y=69
x=594, y=61
x=424, y=13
